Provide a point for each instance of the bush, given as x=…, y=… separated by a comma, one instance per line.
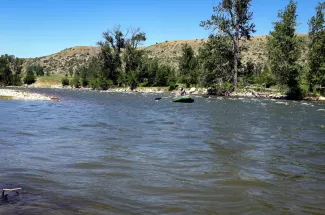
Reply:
x=266, y=78
x=29, y=78
x=100, y=84
x=172, y=87
x=75, y=82
x=223, y=89
x=37, y=69
x=144, y=84
x=65, y=81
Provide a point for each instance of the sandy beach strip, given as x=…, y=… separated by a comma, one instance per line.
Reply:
x=24, y=95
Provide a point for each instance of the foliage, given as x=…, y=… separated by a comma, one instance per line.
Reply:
x=36, y=69
x=215, y=58
x=266, y=78
x=283, y=50
x=10, y=70
x=65, y=81
x=74, y=82
x=232, y=19
x=71, y=71
x=29, y=77
x=111, y=47
x=316, y=57
x=121, y=63
x=165, y=76
x=221, y=89
x=188, y=66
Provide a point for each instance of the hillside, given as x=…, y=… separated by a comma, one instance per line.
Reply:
x=167, y=53
x=60, y=62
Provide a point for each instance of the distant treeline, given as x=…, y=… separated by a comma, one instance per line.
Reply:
x=218, y=64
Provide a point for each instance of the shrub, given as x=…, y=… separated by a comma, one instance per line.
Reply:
x=29, y=78
x=172, y=87
x=65, y=81
x=144, y=84
x=266, y=78
x=223, y=89
x=75, y=82
x=37, y=69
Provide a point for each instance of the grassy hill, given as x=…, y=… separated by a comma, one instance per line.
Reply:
x=60, y=62
x=167, y=53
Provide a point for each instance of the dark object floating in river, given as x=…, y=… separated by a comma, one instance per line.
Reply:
x=183, y=99
x=157, y=99
x=6, y=192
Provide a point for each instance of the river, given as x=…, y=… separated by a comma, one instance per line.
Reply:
x=114, y=153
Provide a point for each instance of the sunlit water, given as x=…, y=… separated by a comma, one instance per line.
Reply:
x=110, y=153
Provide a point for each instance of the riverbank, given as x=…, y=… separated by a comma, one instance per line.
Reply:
x=246, y=92
x=24, y=95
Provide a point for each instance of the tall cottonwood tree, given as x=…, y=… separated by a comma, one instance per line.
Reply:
x=215, y=58
x=283, y=50
x=316, y=54
x=188, y=66
x=232, y=18
x=111, y=47
x=115, y=41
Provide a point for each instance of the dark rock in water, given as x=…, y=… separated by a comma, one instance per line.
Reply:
x=157, y=99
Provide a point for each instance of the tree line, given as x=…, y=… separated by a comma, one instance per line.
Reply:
x=121, y=63
x=217, y=65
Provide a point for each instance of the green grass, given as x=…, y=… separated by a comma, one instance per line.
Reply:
x=47, y=81
x=6, y=97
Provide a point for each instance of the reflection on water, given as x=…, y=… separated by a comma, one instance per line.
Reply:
x=109, y=153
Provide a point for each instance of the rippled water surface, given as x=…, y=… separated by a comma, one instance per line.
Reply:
x=110, y=153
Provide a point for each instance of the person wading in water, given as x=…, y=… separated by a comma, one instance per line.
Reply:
x=181, y=92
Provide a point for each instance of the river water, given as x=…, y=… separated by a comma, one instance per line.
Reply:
x=115, y=153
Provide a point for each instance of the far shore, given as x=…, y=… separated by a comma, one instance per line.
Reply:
x=19, y=93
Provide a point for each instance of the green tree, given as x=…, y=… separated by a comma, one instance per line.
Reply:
x=16, y=68
x=10, y=70
x=111, y=46
x=115, y=67
x=37, y=69
x=165, y=76
x=148, y=71
x=316, y=57
x=232, y=19
x=188, y=66
x=283, y=50
x=132, y=58
x=29, y=77
x=65, y=81
x=5, y=75
x=215, y=58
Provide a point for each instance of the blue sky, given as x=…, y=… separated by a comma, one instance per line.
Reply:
x=34, y=28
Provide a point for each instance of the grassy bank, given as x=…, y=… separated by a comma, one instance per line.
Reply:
x=6, y=97
x=49, y=81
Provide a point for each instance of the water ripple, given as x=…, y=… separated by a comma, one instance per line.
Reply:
x=111, y=153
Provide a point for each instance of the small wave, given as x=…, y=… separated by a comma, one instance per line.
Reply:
x=321, y=110
x=24, y=133
x=285, y=103
x=307, y=104
x=96, y=125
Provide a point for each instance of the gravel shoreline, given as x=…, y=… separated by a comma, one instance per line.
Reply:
x=24, y=95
